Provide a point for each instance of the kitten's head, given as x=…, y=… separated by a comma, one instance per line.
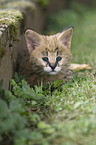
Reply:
x=50, y=53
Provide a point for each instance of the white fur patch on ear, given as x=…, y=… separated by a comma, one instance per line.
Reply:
x=66, y=37
x=33, y=39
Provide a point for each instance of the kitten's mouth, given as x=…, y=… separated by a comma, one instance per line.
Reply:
x=52, y=71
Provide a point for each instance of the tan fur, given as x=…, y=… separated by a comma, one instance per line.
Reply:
x=40, y=46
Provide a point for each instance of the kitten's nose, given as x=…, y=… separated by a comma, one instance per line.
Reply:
x=52, y=66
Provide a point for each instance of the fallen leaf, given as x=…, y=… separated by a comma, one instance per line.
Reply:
x=77, y=67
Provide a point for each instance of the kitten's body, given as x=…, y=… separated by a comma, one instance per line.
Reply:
x=49, y=57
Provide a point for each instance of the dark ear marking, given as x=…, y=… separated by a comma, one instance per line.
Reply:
x=71, y=26
x=28, y=29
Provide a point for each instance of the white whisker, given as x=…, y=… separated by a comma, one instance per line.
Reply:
x=62, y=71
x=40, y=71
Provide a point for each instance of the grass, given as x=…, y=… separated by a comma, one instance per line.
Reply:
x=65, y=115
x=75, y=115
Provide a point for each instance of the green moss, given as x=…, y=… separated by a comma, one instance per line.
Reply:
x=9, y=26
x=12, y=19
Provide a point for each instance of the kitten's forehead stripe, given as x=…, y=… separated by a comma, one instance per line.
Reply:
x=53, y=42
x=56, y=48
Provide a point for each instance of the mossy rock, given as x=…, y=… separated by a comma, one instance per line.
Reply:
x=12, y=19
x=9, y=26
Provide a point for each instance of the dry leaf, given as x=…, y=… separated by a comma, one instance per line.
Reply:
x=77, y=67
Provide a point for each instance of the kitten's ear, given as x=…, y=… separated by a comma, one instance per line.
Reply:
x=33, y=39
x=66, y=37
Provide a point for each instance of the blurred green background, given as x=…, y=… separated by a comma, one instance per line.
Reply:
x=83, y=17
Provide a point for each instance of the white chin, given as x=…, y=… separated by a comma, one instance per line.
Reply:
x=49, y=70
x=53, y=73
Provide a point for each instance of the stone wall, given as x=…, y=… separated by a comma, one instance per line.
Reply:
x=15, y=18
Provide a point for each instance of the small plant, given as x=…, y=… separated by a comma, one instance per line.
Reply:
x=20, y=111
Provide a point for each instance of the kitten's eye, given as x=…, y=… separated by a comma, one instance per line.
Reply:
x=45, y=59
x=58, y=58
